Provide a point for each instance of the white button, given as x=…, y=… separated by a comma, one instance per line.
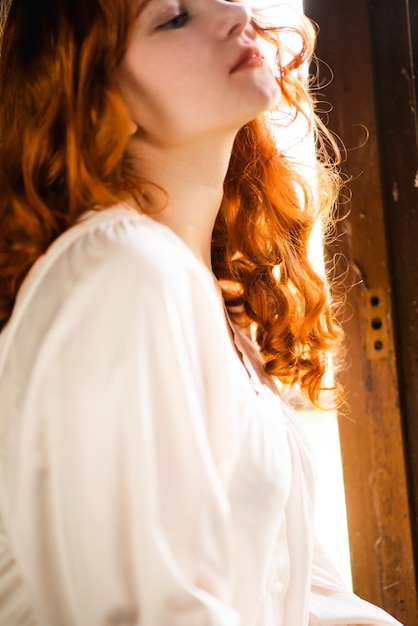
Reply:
x=276, y=588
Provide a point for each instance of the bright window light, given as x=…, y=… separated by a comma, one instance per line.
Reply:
x=321, y=427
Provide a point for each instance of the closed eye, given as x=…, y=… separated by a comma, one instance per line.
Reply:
x=175, y=22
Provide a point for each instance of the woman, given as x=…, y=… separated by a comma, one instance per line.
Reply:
x=150, y=472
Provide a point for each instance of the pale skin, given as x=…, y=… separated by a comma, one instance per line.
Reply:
x=193, y=74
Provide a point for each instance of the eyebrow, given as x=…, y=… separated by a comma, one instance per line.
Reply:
x=142, y=5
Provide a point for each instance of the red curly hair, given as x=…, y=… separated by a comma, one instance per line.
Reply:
x=63, y=150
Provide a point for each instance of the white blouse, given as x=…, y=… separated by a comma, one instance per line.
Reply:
x=146, y=476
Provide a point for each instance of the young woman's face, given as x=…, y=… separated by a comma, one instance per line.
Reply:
x=194, y=68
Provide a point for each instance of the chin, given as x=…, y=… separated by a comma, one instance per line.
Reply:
x=273, y=97
x=268, y=101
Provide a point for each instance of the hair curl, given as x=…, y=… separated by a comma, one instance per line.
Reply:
x=261, y=239
x=63, y=150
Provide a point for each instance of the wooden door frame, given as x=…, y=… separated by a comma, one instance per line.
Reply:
x=379, y=438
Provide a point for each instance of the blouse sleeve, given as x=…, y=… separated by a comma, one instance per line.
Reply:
x=333, y=605
x=120, y=512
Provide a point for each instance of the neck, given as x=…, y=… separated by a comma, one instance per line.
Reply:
x=192, y=178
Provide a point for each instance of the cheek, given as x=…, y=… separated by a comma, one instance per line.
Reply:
x=161, y=96
x=157, y=107
x=133, y=87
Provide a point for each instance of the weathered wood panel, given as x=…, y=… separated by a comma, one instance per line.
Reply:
x=394, y=31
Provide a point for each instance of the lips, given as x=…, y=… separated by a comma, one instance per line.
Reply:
x=249, y=56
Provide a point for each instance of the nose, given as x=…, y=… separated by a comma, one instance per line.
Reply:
x=233, y=18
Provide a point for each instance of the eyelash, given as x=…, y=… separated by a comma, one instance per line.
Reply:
x=175, y=22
